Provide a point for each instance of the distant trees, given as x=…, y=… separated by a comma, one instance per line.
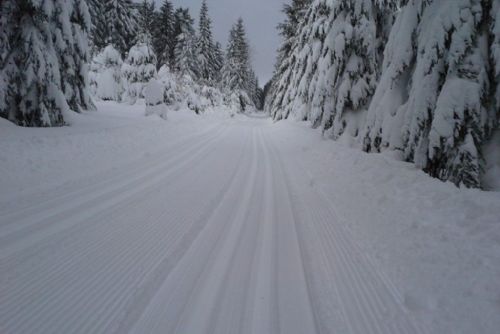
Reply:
x=146, y=22
x=206, y=54
x=45, y=55
x=237, y=75
x=185, y=45
x=173, y=38
x=163, y=34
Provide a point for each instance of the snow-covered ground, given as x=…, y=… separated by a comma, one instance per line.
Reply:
x=217, y=224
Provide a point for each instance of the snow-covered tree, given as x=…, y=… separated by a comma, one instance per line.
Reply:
x=289, y=30
x=253, y=89
x=99, y=28
x=434, y=101
x=71, y=40
x=205, y=48
x=219, y=61
x=106, y=78
x=185, y=46
x=495, y=49
x=7, y=66
x=121, y=24
x=328, y=73
x=163, y=35
x=138, y=69
x=267, y=95
x=237, y=77
x=44, y=68
x=430, y=94
x=146, y=21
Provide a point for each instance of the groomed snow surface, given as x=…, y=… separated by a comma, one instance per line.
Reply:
x=214, y=224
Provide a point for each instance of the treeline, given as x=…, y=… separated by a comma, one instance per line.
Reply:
x=170, y=33
x=46, y=48
x=417, y=76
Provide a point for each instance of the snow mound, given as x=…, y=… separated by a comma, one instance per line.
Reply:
x=154, y=96
x=106, y=80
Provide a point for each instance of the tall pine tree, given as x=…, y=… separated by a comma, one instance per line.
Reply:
x=121, y=24
x=236, y=68
x=237, y=75
x=71, y=39
x=289, y=31
x=99, y=28
x=163, y=35
x=185, y=45
x=205, y=49
x=146, y=22
x=219, y=61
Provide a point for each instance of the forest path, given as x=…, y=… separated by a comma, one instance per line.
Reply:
x=221, y=231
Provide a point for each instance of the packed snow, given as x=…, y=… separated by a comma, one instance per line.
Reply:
x=211, y=223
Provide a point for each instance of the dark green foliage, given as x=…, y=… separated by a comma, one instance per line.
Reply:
x=163, y=35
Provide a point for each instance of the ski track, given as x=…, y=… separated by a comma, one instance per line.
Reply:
x=219, y=232
x=366, y=301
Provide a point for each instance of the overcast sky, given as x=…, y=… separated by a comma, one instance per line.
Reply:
x=261, y=18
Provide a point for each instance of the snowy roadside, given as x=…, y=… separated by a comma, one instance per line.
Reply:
x=439, y=244
x=32, y=160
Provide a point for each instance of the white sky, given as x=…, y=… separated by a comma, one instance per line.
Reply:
x=261, y=18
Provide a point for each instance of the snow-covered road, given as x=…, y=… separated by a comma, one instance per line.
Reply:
x=218, y=230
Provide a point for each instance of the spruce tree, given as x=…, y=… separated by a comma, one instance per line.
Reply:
x=218, y=61
x=146, y=22
x=121, y=24
x=163, y=35
x=138, y=69
x=7, y=66
x=435, y=101
x=44, y=68
x=332, y=64
x=495, y=55
x=71, y=39
x=236, y=70
x=237, y=77
x=230, y=74
x=205, y=49
x=185, y=50
x=359, y=29
x=252, y=87
x=99, y=29
x=289, y=30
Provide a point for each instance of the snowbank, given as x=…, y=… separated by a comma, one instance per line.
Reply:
x=438, y=243
x=115, y=134
x=154, y=95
